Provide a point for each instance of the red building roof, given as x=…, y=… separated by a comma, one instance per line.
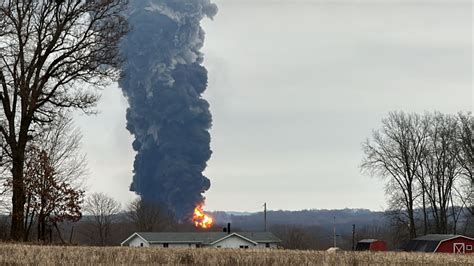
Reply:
x=441, y=243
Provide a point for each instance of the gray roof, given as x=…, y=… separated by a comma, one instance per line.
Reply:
x=435, y=237
x=203, y=237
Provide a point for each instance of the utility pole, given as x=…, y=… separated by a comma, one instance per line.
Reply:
x=265, y=217
x=353, y=236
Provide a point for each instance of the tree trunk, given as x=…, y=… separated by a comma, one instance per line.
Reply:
x=425, y=218
x=59, y=233
x=70, y=235
x=453, y=213
x=38, y=228
x=28, y=229
x=471, y=197
x=42, y=227
x=17, y=231
x=411, y=215
x=28, y=218
x=412, y=225
x=444, y=219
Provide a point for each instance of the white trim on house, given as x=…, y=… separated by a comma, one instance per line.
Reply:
x=132, y=236
x=227, y=236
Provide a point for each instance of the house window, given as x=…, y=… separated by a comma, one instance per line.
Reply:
x=218, y=246
x=141, y=244
x=241, y=246
x=469, y=247
x=246, y=247
x=267, y=245
x=198, y=245
x=165, y=245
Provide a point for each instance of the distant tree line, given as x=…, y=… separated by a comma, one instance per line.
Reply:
x=313, y=229
x=427, y=162
x=108, y=224
x=97, y=219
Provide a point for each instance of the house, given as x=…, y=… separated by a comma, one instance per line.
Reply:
x=441, y=243
x=371, y=245
x=203, y=239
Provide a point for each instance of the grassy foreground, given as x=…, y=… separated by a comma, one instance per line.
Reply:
x=13, y=254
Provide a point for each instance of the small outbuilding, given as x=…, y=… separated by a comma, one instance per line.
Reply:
x=441, y=243
x=243, y=240
x=371, y=245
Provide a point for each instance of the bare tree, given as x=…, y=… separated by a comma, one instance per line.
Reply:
x=465, y=158
x=54, y=171
x=50, y=200
x=62, y=141
x=442, y=168
x=395, y=152
x=428, y=162
x=297, y=237
x=50, y=51
x=149, y=216
x=103, y=210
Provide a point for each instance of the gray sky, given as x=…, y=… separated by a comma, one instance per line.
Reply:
x=295, y=86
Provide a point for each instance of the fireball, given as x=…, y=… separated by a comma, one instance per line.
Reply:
x=201, y=219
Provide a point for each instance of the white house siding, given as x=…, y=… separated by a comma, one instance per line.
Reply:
x=264, y=245
x=138, y=242
x=175, y=245
x=229, y=241
x=233, y=242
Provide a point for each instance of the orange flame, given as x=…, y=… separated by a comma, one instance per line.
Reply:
x=201, y=219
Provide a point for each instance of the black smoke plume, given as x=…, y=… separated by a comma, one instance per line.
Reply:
x=163, y=80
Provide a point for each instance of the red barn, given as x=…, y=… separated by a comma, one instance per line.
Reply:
x=441, y=243
x=371, y=244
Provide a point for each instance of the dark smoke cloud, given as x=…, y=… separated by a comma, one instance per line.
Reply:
x=163, y=81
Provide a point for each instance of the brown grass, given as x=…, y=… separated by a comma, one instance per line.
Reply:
x=13, y=254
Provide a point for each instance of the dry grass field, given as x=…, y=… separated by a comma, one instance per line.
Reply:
x=56, y=255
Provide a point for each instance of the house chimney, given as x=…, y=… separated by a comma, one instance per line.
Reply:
x=228, y=228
